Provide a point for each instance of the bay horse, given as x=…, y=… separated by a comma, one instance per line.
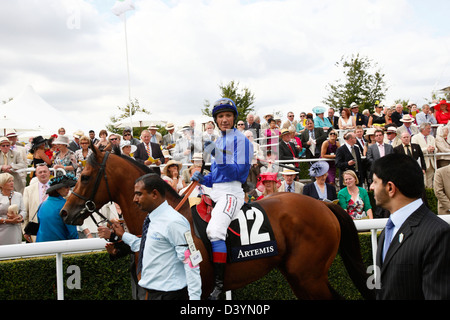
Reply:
x=308, y=232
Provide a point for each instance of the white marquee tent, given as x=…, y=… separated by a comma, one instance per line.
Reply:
x=34, y=116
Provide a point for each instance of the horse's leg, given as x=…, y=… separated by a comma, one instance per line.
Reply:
x=308, y=278
x=311, y=250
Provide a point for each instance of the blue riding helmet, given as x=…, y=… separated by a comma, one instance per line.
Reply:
x=223, y=105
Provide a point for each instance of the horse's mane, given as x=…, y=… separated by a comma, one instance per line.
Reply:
x=92, y=160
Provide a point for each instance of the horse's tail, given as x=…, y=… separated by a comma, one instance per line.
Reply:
x=350, y=251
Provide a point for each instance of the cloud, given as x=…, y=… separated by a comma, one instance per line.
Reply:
x=73, y=51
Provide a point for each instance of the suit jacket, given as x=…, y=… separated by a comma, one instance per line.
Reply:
x=417, y=263
x=74, y=146
x=395, y=116
x=141, y=154
x=168, y=139
x=289, y=124
x=421, y=117
x=320, y=136
x=334, y=120
x=373, y=152
x=31, y=201
x=298, y=187
x=413, y=128
x=417, y=154
x=284, y=151
x=343, y=156
x=442, y=189
x=15, y=160
x=420, y=140
x=360, y=119
x=255, y=127
x=310, y=190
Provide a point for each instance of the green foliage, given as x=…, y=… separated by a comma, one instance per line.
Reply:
x=361, y=84
x=243, y=98
x=132, y=107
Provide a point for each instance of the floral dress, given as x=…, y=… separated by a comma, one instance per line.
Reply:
x=68, y=160
x=356, y=209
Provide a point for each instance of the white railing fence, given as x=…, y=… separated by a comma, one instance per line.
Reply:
x=59, y=248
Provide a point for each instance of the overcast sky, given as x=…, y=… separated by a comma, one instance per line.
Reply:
x=73, y=52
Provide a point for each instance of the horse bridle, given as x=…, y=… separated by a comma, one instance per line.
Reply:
x=89, y=203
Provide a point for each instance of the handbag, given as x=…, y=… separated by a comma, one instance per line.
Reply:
x=32, y=227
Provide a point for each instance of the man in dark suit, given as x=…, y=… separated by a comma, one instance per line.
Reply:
x=312, y=139
x=397, y=115
x=348, y=157
x=334, y=120
x=378, y=149
x=287, y=148
x=148, y=149
x=255, y=127
x=360, y=119
x=413, y=255
x=414, y=150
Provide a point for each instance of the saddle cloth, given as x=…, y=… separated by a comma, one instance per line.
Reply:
x=250, y=235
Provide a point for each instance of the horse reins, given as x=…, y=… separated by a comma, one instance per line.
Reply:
x=89, y=203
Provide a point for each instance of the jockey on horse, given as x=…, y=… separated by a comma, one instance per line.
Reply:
x=231, y=160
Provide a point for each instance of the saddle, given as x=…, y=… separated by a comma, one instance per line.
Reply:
x=250, y=235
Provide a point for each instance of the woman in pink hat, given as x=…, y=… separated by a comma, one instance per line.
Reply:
x=268, y=184
x=442, y=113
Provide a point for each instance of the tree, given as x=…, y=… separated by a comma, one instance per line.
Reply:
x=362, y=84
x=243, y=98
x=125, y=113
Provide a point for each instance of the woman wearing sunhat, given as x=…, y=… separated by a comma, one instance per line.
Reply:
x=64, y=158
x=171, y=175
x=51, y=225
x=319, y=120
x=319, y=189
x=442, y=112
x=268, y=184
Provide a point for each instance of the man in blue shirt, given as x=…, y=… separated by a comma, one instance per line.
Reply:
x=232, y=157
x=165, y=273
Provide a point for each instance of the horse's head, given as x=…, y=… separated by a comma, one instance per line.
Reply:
x=91, y=191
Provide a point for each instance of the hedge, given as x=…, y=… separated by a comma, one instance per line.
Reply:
x=102, y=279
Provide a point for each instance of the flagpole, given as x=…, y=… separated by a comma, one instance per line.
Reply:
x=128, y=69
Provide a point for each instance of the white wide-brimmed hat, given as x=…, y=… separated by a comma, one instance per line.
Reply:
x=406, y=118
x=126, y=143
x=62, y=139
x=287, y=171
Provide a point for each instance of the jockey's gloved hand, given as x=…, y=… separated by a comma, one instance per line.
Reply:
x=209, y=147
x=197, y=176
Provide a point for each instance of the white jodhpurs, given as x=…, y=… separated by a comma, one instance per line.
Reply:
x=229, y=198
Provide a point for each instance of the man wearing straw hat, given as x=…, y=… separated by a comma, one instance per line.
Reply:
x=407, y=126
x=169, y=139
x=287, y=150
x=10, y=161
x=289, y=184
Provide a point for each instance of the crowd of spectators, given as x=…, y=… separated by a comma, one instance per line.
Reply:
x=339, y=147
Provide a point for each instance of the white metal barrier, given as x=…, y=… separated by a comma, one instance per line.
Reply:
x=59, y=248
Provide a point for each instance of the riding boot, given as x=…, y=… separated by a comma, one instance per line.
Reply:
x=219, y=272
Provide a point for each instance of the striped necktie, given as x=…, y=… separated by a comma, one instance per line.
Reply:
x=147, y=147
x=44, y=192
x=143, y=239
